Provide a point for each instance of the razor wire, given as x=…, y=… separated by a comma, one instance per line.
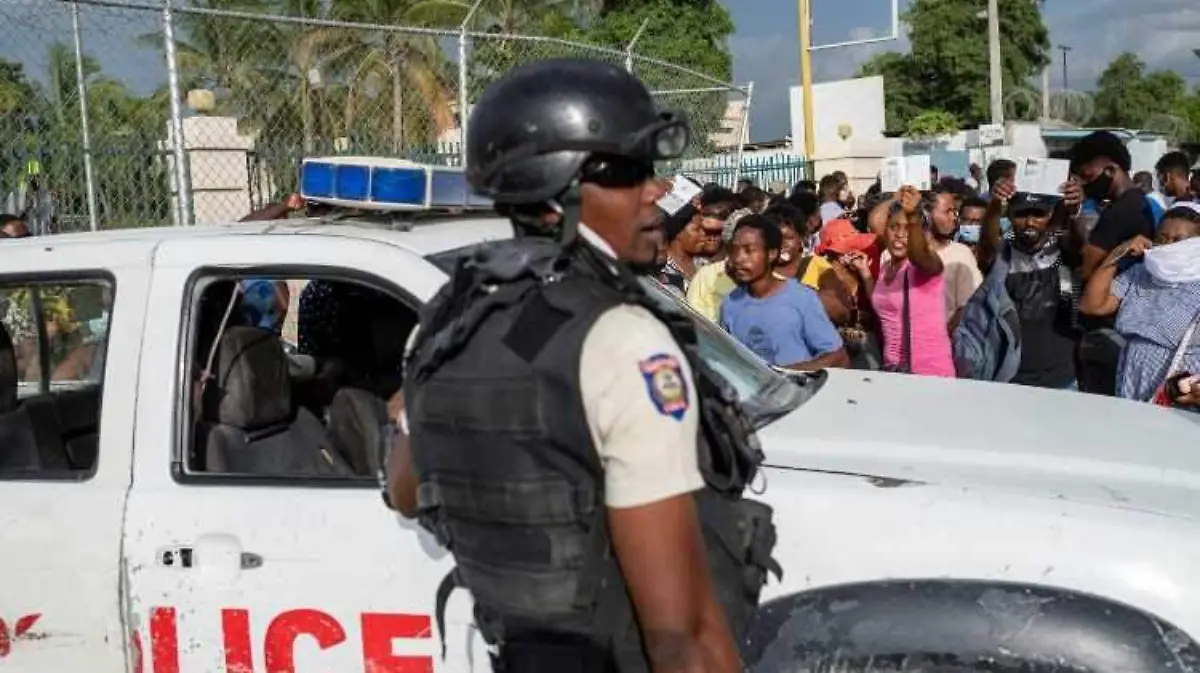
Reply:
x=251, y=94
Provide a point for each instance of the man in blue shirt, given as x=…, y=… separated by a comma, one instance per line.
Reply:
x=779, y=319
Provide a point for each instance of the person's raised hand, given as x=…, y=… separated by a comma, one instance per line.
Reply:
x=910, y=199
x=1004, y=189
x=1072, y=193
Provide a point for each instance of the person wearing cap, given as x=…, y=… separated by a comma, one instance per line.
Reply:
x=1038, y=271
x=712, y=282
x=853, y=255
x=1156, y=304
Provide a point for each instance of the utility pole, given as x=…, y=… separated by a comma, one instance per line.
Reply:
x=1066, y=83
x=997, y=81
x=1045, y=74
x=806, y=78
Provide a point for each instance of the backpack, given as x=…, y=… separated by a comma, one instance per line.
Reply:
x=987, y=341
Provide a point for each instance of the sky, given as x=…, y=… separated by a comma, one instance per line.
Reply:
x=765, y=46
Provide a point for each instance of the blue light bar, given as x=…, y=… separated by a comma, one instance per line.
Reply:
x=373, y=183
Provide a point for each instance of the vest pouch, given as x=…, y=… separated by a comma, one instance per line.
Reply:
x=521, y=546
x=739, y=536
x=730, y=453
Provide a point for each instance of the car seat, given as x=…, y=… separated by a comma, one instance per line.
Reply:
x=356, y=420
x=254, y=429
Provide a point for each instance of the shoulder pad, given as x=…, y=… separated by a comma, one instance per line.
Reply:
x=508, y=261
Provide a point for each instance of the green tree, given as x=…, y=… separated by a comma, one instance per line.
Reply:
x=947, y=68
x=1129, y=97
x=931, y=124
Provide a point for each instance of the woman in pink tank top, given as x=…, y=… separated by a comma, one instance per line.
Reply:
x=912, y=263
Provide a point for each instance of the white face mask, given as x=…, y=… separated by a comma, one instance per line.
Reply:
x=1175, y=263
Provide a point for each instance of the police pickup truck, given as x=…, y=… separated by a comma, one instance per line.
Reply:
x=924, y=524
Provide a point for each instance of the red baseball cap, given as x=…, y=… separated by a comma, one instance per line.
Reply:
x=840, y=237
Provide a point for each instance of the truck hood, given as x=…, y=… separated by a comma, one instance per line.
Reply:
x=1004, y=438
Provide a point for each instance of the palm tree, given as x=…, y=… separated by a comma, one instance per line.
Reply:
x=397, y=61
x=229, y=56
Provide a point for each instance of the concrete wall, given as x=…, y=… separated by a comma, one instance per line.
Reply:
x=219, y=173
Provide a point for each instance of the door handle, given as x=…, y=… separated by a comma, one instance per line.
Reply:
x=185, y=557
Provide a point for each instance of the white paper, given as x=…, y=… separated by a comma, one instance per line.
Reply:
x=683, y=190
x=1042, y=176
x=896, y=172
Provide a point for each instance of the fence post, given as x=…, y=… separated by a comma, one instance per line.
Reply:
x=742, y=137
x=88, y=175
x=629, y=47
x=463, y=83
x=183, y=182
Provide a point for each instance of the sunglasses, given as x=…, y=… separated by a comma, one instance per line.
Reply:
x=616, y=172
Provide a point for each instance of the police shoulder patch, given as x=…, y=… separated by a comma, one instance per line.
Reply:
x=666, y=384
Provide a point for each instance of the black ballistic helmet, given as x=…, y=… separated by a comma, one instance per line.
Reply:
x=534, y=128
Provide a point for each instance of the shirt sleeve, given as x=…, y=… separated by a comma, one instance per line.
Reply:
x=1123, y=283
x=819, y=334
x=639, y=398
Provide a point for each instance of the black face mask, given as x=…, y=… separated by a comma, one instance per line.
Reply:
x=1098, y=189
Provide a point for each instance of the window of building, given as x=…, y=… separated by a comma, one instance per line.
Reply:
x=290, y=375
x=53, y=341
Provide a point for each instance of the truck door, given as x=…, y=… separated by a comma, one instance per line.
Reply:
x=69, y=341
x=261, y=571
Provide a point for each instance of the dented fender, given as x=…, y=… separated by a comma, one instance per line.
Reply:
x=975, y=625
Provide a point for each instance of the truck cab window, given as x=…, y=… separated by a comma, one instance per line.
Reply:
x=290, y=376
x=53, y=341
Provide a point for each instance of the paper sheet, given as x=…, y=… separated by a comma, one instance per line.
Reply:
x=896, y=172
x=683, y=190
x=1042, y=176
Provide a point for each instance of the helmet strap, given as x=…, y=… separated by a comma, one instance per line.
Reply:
x=528, y=220
x=568, y=204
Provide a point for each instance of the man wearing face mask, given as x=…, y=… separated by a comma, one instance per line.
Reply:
x=1102, y=161
x=1022, y=327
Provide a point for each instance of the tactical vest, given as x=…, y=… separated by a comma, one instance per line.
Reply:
x=510, y=481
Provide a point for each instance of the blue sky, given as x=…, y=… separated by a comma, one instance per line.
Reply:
x=765, y=48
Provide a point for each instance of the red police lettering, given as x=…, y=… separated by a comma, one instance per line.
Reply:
x=378, y=632
x=20, y=628
x=287, y=627
x=235, y=626
x=164, y=640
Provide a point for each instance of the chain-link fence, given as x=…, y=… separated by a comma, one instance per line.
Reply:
x=251, y=93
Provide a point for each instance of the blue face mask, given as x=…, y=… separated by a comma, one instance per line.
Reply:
x=98, y=327
x=968, y=233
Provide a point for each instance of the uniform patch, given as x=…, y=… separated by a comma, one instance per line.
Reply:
x=665, y=382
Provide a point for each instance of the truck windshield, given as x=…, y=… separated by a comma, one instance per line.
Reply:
x=765, y=393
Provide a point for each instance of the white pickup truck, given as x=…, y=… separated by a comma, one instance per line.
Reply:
x=924, y=524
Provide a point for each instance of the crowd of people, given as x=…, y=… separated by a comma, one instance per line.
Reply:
x=1095, y=288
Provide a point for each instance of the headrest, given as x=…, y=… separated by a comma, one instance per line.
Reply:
x=252, y=383
x=8, y=371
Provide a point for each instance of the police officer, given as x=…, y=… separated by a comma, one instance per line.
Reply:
x=557, y=432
